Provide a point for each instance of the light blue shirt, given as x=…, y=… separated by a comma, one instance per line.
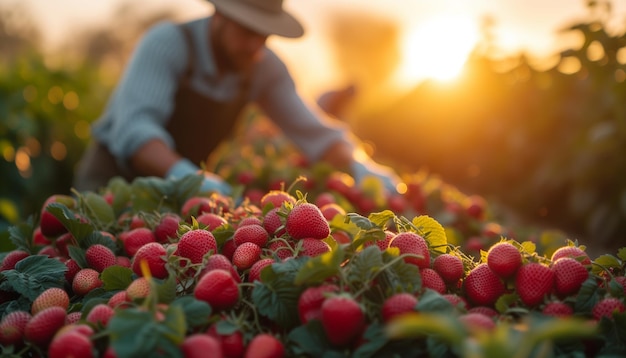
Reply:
x=143, y=101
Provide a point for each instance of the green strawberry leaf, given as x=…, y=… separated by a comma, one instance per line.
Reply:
x=375, y=339
x=21, y=236
x=309, y=340
x=364, y=267
x=381, y=219
x=97, y=210
x=122, y=192
x=419, y=324
x=588, y=295
x=431, y=231
x=166, y=289
x=318, y=269
x=96, y=237
x=74, y=225
x=223, y=233
x=135, y=333
x=361, y=221
x=196, y=312
x=174, y=325
x=621, y=253
x=22, y=303
x=605, y=262
x=33, y=275
x=432, y=301
x=399, y=276
x=153, y=193
x=116, y=278
x=77, y=254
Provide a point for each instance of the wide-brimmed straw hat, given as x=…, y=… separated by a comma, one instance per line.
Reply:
x=266, y=17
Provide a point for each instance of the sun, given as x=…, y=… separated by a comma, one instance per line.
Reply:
x=436, y=49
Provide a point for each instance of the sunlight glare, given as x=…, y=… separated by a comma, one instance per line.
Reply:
x=437, y=49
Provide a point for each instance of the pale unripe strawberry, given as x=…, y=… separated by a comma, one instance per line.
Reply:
x=119, y=299
x=194, y=244
x=265, y=345
x=138, y=289
x=153, y=254
x=307, y=221
x=73, y=317
x=12, y=327
x=100, y=257
x=85, y=280
x=44, y=325
x=51, y=297
x=246, y=255
x=100, y=314
x=12, y=258
x=71, y=344
x=255, y=234
x=123, y=261
x=218, y=288
x=136, y=238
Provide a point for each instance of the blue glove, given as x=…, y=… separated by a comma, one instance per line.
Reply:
x=211, y=183
x=386, y=175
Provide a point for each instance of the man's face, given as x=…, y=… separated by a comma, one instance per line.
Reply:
x=237, y=47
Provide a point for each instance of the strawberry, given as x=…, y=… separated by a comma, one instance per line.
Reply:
x=557, y=309
x=306, y=221
x=52, y=296
x=63, y=241
x=343, y=319
x=85, y=280
x=411, y=243
x=71, y=344
x=72, y=269
x=198, y=345
x=606, y=307
x=232, y=343
x=218, y=288
x=153, y=254
x=622, y=281
x=382, y=244
x=123, y=261
x=273, y=223
x=12, y=258
x=219, y=261
x=329, y=211
x=73, y=317
x=39, y=238
x=167, y=228
x=449, y=267
x=432, y=280
x=265, y=345
x=456, y=301
x=12, y=327
x=533, y=282
x=325, y=198
x=211, y=221
x=487, y=311
x=138, y=289
x=397, y=305
x=250, y=220
x=477, y=322
x=196, y=243
x=100, y=257
x=482, y=286
x=196, y=206
x=257, y=267
x=573, y=252
x=276, y=198
x=49, y=224
x=133, y=239
x=313, y=247
x=120, y=299
x=228, y=249
x=100, y=314
x=569, y=275
x=281, y=249
x=504, y=259
x=311, y=300
x=255, y=234
x=44, y=325
x=246, y=255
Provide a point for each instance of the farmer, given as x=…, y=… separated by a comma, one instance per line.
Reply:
x=184, y=88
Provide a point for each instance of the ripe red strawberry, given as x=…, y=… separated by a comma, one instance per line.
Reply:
x=276, y=198
x=504, y=259
x=487, y=311
x=606, y=307
x=85, y=280
x=281, y=249
x=153, y=254
x=397, y=305
x=482, y=286
x=573, y=252
x=123, y=261
x=382, y=244
x=329, y=211
x=49, y=224
x=119, y=299
x=12, y=258
x=100, y=257
x=246, y=255
x=273, y=223
x=250, y=220
x=62, y=242
x=52, y=296
x=255, y=234
x=311, y=300
x=218, y=288
x=449, y=267
x=219, y=261
x=71, y=344
x=167, y=228
x=341, y=237
x=12, y=327
x=411, y=243
x=232, y=343
x=569, y=275
x=306, y=220
x=228, y=249
x=343, y=319
x=72, y=269
x=265, y=345
x=39, y=238
x=313, y=247
x=477, y=322
x=44, y=325
x=100, y=314
x=456, y=301
x=622, y=281
x=257, y=267
x=211, y=221
x=136, y=238
x=432, y=280
x=533, y=282
x=138, y=289
x=557, y=309
x=196, y=243
x=200, y=345
x=196, y=206
x=324, y=198
x=73, y=317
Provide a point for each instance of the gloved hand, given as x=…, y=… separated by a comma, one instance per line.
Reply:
x=211, y=181
x=388, y=177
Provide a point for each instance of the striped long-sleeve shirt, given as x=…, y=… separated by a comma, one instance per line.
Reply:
x=143, y=101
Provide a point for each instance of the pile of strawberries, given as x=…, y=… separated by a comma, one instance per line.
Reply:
x=157, y=268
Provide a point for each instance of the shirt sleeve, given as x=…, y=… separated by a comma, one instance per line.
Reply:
x=144, y=98
x=305, y=125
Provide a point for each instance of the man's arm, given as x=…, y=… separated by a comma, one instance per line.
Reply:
x=153, y=158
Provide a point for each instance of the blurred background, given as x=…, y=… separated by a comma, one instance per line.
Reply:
x=522, y=102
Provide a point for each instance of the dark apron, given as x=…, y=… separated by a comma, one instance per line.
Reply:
x=198, y=124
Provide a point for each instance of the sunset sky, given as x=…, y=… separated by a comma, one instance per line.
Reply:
x=520, y=25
